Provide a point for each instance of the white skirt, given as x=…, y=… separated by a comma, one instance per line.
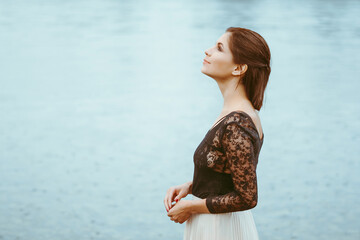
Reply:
x=238, y=225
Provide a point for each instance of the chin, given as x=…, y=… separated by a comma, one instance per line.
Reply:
x=204, y=71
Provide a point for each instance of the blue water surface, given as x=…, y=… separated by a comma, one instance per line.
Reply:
x=103, y=105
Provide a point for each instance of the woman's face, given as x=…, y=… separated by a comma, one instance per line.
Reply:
x=218, y=62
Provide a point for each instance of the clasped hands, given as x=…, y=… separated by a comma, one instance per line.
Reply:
x=180, y=211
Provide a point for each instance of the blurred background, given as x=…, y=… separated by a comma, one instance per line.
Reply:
x=103, y=105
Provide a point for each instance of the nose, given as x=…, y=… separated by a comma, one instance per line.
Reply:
x=207, y=52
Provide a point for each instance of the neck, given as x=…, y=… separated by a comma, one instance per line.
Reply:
x=234, y=99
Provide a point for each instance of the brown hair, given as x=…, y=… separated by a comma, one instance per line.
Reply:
x=248, y=47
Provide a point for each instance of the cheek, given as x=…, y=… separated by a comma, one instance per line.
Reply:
x=222, y=64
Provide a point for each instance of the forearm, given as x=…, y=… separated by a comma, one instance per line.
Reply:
x=199, y=206
x=231, y=202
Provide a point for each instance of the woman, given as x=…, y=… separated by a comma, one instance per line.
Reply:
x=224, y=185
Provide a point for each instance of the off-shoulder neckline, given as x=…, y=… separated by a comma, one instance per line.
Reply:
x=238, y=111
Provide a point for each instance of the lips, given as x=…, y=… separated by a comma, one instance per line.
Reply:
x=206, y=61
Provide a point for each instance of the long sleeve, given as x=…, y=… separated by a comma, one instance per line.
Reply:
x=239, y=149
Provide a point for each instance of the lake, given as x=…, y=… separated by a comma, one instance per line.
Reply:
x=103, y=105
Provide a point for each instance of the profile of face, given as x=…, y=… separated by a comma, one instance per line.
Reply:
x=218, y=62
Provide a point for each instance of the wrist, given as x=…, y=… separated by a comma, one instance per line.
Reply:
x=198, y=206
x=192, y=206
x=190, y=186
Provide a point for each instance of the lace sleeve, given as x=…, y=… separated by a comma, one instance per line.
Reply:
x=239, y=150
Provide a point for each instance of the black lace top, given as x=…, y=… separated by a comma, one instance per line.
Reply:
x=225, y=164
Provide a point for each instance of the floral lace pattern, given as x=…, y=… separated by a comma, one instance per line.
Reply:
x=230, y=151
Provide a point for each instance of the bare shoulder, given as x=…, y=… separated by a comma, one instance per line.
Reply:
x=256, y=119
x=253, y=113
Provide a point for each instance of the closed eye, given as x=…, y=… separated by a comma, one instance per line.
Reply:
x=219, y=46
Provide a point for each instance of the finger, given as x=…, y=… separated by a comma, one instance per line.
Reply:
x=165, y=204
x=170, y=198
x=180, y=195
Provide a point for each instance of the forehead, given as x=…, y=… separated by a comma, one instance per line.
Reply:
x=224, y=38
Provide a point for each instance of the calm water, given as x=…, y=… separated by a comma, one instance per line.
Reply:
x=103, y=105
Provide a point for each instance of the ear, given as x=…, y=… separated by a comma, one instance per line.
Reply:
x=240, y=69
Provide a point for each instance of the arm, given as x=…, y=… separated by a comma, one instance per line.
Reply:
x=197, y=206
x=239, y=150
